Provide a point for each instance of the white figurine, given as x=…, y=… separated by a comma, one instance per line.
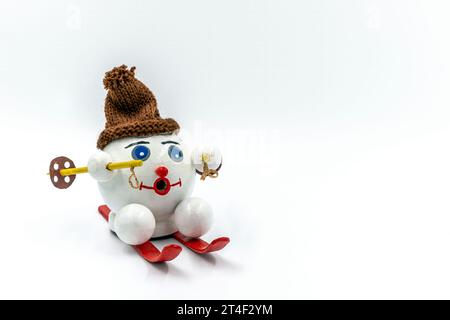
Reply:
x=150, y=196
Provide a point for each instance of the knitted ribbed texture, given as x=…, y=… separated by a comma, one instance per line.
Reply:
x=130, y=109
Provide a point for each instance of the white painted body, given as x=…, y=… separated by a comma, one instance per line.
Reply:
x=140, y=214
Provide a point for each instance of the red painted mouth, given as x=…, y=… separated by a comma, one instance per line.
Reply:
x=161, y=186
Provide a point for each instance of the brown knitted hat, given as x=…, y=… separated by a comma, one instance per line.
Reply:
x=130, y=109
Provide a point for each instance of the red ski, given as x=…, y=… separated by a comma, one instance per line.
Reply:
x=199, y=246
x=147, y=250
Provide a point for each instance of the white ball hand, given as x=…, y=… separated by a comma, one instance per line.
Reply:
x=212, y=157
x=97, y=166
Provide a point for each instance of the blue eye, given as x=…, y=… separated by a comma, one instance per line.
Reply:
x=140, y=153
x=175, y=153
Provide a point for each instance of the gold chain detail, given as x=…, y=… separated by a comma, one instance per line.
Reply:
x=133, y=180
x=207, y=172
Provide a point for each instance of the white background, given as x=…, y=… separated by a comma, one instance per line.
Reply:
x=332, y=117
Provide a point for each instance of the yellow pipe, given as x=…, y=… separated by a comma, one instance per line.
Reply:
x=72, y=171
x=124, y=165
x=110, y=166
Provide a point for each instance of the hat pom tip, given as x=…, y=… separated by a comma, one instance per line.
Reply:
x=118, y=76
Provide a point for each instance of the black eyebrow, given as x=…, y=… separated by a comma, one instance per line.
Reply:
x=136, y=143
x=166, y=142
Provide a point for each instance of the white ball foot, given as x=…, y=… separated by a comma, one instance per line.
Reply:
x=193, y=217
x=134, y=224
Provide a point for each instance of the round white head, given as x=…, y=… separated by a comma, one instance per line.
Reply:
x=165, y=179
